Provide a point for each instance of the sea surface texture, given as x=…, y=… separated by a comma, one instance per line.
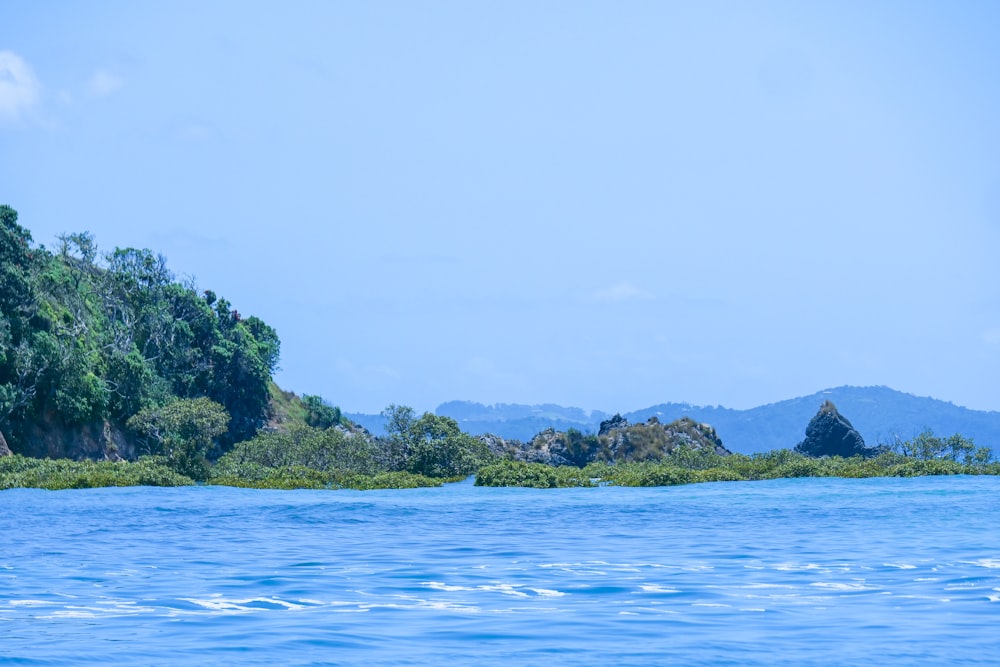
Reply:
x=789, y=572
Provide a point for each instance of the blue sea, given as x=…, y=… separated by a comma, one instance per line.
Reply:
x=788, y=572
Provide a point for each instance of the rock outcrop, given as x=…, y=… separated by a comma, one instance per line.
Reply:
x=830, y=434
x=611, y=424
x=546, y=447
x=4, y=449
x=97, y=440
x=653, y=440
x=617, y=441
x=499, y=446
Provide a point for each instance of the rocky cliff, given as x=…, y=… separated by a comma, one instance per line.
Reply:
x=101, y=440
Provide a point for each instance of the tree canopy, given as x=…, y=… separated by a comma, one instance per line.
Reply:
x=86, y=336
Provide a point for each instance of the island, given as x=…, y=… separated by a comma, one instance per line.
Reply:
x=113, y=372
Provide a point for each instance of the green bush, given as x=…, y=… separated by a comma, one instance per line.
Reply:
x=953, y=448
x=320, y=449
x=24, y=472
x=430, y=445
x=298, y=477
x=517, y=473
x=923, y=467
x=685, y=466
x=717, y=474
x=285, y=477
x=649, y=473
x=396, y=479
x=182, y=431
x=801, y=467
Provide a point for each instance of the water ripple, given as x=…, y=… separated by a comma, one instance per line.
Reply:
x=775, y=573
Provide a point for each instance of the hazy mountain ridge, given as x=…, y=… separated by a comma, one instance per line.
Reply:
x=471, y=411
x=879, y=413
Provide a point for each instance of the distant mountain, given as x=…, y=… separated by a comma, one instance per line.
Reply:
x=523, y=422
x=880, y=414
x=508, y=420
x=374, y=423
x=469, y=411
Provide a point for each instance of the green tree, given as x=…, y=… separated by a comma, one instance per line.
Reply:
x=398, y=444
x=956, y=448
x=319, y=449
x=15, y=264
x=577, y=448
x=319, y=413
x=242, y=364
x=440, y=449
x=183, y=431
x=19, y=365
x=429, y=445
x=82, y=341
x=132, y=291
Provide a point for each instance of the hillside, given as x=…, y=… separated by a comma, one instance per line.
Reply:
x=96, y=344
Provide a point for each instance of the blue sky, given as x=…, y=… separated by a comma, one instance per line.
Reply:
x=600, y=204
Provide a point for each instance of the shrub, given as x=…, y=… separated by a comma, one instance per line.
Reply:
x=922, y=467
x=954, y=448
x=716, y=475
x=321, y=449
x=649, y=474
x=298, y=477
x=517, y=473
x=183, y=432
x=23, y=472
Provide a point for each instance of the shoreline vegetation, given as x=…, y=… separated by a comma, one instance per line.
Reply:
x=115, y=373
x=682, y=466
x=56, y=474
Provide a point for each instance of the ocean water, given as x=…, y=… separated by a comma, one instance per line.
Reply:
x=788, y=572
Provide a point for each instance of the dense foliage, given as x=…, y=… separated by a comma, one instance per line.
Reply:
x=430, y=445
x=306, y=457
x=24, y=472
x=183, y=431
x=86, y=337
x=956, y=448
x=297, y=477
x=420, y=451
x=685, y=467
x=301, y=446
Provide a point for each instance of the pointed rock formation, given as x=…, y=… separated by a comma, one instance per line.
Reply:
x=830, y=434
x=609, y=425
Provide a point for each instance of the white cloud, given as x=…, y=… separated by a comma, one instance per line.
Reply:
x=620, y=292
x=19, y=89
x=103, y=82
